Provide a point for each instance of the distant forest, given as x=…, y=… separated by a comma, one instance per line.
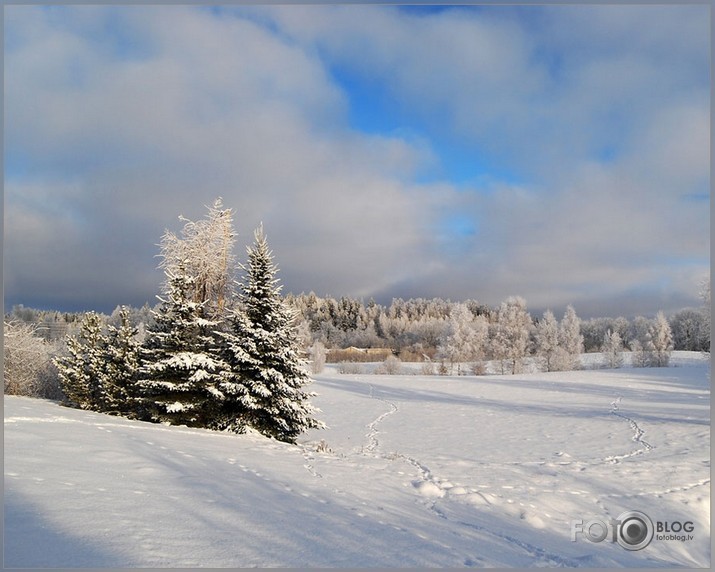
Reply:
x=232, y=354
x=410, y=328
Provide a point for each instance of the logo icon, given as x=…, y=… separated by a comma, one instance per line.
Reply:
x=635, y=530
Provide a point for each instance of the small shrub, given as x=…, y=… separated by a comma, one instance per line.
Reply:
x=317, y=357
x=349, y=368
x=479, y=368
x=427, y=368
x=442, y=369
x=322, y=447
x=391, y=366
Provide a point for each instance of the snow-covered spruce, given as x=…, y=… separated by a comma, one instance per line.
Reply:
x=122, y=364
x=79, y=371
x=99, y=371
x=266, y=377
x=179, y=373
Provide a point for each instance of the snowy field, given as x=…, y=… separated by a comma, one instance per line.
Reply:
x=414, y=471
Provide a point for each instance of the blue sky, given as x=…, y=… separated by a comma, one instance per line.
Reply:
x=560, y=153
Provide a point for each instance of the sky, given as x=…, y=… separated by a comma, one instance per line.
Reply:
x=560, y=153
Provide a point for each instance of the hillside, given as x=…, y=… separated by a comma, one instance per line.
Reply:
x=414, y=471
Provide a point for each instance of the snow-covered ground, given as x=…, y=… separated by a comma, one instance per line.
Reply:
x=414, y=471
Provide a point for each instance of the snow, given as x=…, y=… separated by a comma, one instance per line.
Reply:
x=414, y=471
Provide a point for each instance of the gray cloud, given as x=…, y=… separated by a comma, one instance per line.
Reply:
x=120, y=119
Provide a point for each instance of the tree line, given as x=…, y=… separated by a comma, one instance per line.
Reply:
x=226, y=353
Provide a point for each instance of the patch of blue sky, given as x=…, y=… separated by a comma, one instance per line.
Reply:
x=607, y=153
x=18, y=165
x=461, y=225
x=432, y=9
x=455, y=233
x=687, y=261
x=373, y=109
x=698, y=197
x=468, y=166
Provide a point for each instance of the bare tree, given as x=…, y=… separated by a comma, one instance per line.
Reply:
x=204, y=251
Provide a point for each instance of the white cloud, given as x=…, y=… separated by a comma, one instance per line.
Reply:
x=119, y=119
x=216, y=108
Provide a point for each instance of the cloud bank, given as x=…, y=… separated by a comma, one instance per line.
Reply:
x=559, y=153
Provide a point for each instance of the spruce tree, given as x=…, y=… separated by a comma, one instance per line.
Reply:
x=238, y=383
x=82, y=371
x=179, y=372
x=267, y=377
x=122, y=364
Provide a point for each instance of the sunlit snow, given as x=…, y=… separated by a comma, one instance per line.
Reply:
x=414, y=471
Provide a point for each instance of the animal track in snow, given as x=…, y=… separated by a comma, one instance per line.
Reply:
x=372, y=433
x=637, y=433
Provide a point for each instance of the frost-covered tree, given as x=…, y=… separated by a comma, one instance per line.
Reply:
x=82, y=371
x=689, y=327
x=204, y=252
x=179, y=372
x=641, y=355
x=510, y=340
x=661, y=340
x=707, y=310
x=317, y=357
x=639, y=330
x=266, y=378
x=463, y=339
x=547, y=343
x=570, y=339
x=27, y=362
x=390, y=366
x=641, y=342
x=612, y=349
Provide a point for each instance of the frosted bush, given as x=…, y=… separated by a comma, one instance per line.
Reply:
x=317, y=357
x=28, y=365
x=349, y=368
x=391, y=366
x=427, y=368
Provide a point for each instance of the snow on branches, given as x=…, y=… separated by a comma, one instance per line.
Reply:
x=214, y=357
